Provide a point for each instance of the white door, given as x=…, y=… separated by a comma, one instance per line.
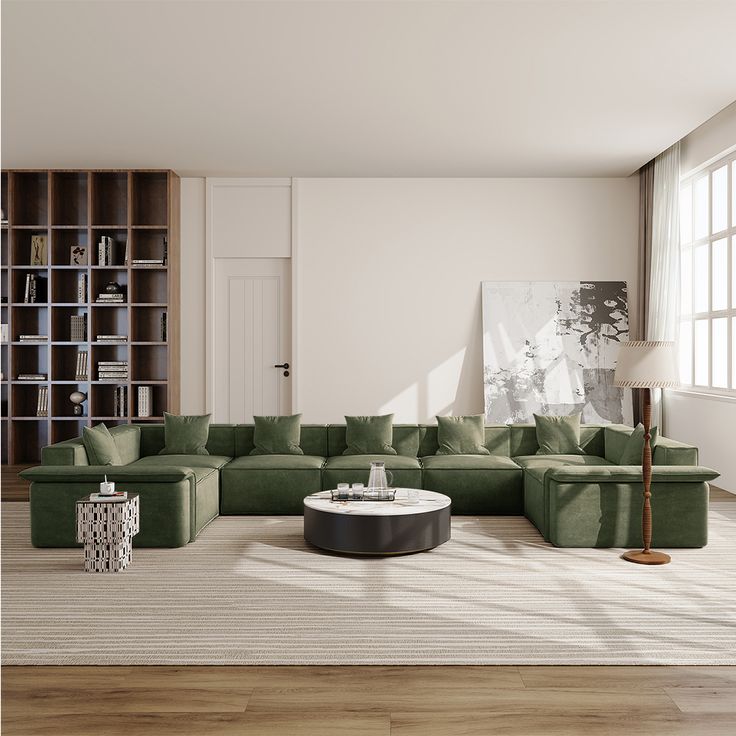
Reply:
x=252, y=337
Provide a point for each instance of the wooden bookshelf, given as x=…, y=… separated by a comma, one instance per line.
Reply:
x=76, y=208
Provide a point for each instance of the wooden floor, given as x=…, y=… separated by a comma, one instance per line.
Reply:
x=370, y=701
x=365, y=701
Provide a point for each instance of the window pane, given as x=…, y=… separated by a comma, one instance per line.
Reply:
x=686, y=214
x=701, y=352
x=720, y=199
x=719, y=259
x=686, y=352
x=720, y=353
x=700, y=280
x=700, y=208
x=686, y=282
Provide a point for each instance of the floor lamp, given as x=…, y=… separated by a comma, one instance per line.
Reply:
x=647, y=364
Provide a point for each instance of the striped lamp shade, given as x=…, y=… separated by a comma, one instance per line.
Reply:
x=647, y=364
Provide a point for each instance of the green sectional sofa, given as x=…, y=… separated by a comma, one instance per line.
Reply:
x=573, y=500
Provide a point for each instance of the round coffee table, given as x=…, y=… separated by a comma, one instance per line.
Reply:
x=377, y=527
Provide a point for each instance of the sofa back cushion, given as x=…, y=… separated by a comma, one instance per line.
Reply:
x=524, y=439
x=128, y=440
x=313, y=440
x=405, y=439
x=497, y=438
x=220, y=441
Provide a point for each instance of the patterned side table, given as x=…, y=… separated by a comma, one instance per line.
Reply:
x=107, y=529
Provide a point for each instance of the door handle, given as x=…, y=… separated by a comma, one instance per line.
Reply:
x=285, y=366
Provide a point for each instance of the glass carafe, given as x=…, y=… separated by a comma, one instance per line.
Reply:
x=379, y=481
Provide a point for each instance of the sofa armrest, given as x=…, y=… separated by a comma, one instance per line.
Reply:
x=69, y=452
x=631, y=474
x=96, y=473
x=672, y=452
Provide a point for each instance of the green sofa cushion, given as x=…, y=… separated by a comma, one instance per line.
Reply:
x=369, y=435
x=361, y=462
x=221, y=439
x=277, y=435
x=634, y=447
x=523, y=439
x=468, y=462
x=461, y=435
x=128, y=441
x=558, y=435
x=185, y=435
x=406, y=472
x=558, y=461
x=276, y=462
x=100, y=446
x=183, y=461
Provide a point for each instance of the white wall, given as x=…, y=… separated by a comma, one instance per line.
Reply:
x=389, y=272
x=193, y=296
x=706, y=421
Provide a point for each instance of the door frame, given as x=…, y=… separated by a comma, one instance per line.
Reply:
x=210, y=184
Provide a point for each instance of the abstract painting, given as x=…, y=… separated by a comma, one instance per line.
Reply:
x=551, y=348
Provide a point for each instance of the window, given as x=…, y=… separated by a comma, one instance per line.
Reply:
x=707, y=341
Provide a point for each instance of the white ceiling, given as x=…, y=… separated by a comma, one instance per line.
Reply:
x=577, y=88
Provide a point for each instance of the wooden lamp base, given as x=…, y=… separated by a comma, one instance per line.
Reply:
x=646, y=557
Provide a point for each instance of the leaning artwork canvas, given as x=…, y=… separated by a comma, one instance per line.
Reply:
x=551, y=348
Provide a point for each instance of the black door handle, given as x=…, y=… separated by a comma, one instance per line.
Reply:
x=285, y=366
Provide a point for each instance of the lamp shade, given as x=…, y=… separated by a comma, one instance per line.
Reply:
x=647, y=364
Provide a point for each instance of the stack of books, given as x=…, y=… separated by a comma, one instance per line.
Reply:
x=42, y=408
x=35, y=290
x=82, y=371
x=114, y=339
x=142, y=262
x=33, y=338
x=121, y=402
x=112, y=370
x=82, y=288
x=114, y=298
x=105, y=251
x=145, y=407
x=78, y=327
x=31, y=377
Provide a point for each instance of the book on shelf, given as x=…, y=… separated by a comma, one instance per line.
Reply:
x=35, y=289
x=81, y=373
x=149, y=262
x=3, y=332
x=112, y=338
x=144, y=401
x=111, y=298
x=121, y=402
x=166, y=250
x=42, y=407
x=82, y=288
x=78, y=327
x=112, y=362
x=105, y=251
x=164, y=326
x=31, y=377
x=33, y=338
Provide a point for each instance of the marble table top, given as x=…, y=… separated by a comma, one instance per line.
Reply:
x=428, y=501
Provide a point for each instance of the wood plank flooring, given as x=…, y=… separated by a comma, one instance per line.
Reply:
x=375, y=701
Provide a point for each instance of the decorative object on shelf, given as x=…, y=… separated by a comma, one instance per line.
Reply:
x=106, y=527
x=112, y=292
x=647, y=364
x=39, y=250
x=551, y=347
x=78, y=398
x=78, y=256
x=3, y=218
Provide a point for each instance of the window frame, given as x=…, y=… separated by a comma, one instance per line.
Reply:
x=688, y=246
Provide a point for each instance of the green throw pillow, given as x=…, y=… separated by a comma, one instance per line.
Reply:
x=277, y=435
x=558, y=435
x=100, y=446
x=185, y=435
x=461, y=435
x=634, y=446
x=369, y=435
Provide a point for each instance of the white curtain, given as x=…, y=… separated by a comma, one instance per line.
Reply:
x=664, y=281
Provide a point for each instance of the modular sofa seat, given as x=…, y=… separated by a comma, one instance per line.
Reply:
x=585, y=500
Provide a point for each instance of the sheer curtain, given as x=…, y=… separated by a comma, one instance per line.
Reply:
x=663, y=303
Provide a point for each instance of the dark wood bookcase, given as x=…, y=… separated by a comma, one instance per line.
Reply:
x=139, y=210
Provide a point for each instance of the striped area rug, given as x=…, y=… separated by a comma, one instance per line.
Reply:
x=249, y=591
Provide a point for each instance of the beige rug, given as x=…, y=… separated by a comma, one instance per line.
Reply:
x=250, y=591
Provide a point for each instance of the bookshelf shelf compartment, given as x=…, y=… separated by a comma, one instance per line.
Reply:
x=73, y=209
